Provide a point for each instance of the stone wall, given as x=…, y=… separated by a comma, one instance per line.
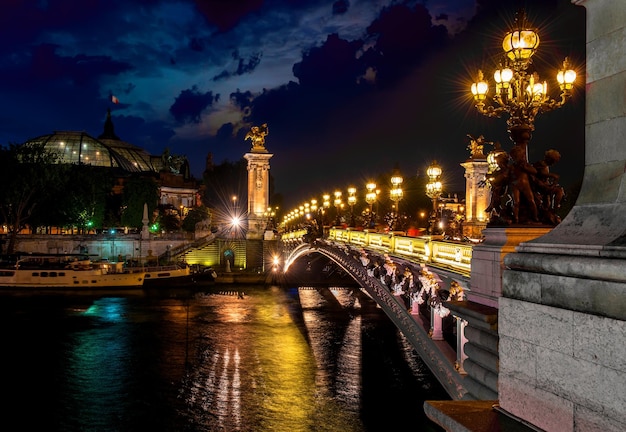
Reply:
x=129, y=247
x=562, y=317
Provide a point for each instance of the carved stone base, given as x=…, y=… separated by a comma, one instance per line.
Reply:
x=488, y=260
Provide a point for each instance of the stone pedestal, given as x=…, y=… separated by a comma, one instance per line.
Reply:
x=488, y=261
x=474, y=230
x=258, y=191
x=479, y=355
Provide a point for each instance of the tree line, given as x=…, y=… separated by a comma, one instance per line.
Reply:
x=37, y=194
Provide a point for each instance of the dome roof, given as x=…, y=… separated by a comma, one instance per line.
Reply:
x=80, y=148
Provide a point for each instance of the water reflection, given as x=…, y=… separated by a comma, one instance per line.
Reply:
x=274, y=360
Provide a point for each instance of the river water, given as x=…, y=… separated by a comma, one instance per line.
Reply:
x=275, y=360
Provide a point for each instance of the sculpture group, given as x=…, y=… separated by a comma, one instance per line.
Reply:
x=521, y=192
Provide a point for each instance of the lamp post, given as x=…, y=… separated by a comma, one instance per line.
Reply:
x=433, y=190
x=325, y=206
x=337, y=204
x=270, y=213
x=351, y=203
x=370, y=198
x=518, y=91
x=396, y=193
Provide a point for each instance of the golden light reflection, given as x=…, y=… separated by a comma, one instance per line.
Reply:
x=288, y=371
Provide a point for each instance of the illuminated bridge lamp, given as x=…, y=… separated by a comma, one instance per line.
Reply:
x=520, y=94
x=396, y=194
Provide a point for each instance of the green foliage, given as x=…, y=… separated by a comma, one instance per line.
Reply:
x=138, y=190
x=83, y=202
x=196, y=215
x=169, y=220
x=28, y=177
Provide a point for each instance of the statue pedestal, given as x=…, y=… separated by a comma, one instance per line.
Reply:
x=479, y=355
x=488, y=261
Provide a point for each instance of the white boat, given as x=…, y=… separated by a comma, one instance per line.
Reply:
x=66, y=272
x=178, y=275
x=166, y=275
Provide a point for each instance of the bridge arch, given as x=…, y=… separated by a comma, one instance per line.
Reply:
x=353, y=260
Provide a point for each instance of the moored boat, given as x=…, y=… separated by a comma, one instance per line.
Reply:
x=178, y=275
x=167, y=275
x=65, y=272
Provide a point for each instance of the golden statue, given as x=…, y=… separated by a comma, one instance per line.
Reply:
x=257, y=136
x=476, y=147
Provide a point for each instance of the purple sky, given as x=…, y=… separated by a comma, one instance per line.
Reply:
x=348, y=88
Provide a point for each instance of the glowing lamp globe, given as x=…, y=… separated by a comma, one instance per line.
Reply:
x=520, y=45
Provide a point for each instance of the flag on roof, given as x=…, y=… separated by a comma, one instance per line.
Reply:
x=114, y=99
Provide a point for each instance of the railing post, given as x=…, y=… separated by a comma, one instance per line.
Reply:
x=436, y=326
x=460, y=344
x=415, y=307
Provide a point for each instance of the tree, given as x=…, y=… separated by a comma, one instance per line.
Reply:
x=137, y=191
x=82, y=203
x=195, y=215
x=28, y=175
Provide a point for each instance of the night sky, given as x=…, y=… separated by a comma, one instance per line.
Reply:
x=348, y=88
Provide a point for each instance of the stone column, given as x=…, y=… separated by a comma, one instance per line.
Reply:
x=562, y=317
x=477, y=195
x=258, y=192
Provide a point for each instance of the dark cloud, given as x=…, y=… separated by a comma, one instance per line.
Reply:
x=333, y=65
x=248, y=66
x=405, y=37
x=189, y=105
x=242, y=100
x=43, y=66
x=244, y=66
x=226, y=14
x=341, y=7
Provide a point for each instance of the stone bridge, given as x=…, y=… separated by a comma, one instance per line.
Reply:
x=388, y=280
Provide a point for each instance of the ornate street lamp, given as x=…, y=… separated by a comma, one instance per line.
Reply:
x=433, y=189
x=370, y=198
x=351, y=203
x=325, y=206
x=338, y=205
x=396, y=193
x=519, y=91
x=270, y=213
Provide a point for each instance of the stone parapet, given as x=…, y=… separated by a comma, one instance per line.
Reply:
x=594, y=286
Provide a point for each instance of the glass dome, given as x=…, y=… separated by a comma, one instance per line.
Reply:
x=80, y=148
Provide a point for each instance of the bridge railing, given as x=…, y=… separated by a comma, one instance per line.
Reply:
x=451, y=255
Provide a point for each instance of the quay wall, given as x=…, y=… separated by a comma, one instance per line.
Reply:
x=129, y=247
